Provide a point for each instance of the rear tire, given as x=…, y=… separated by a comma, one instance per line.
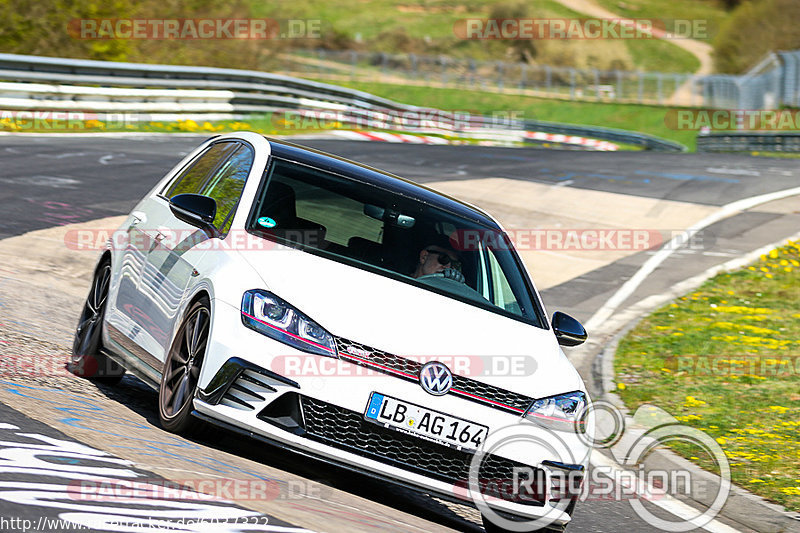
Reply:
x=182, y=370
x=87, y=360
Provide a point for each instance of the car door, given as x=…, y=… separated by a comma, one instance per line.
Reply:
x=137, y=316
x=170, y=270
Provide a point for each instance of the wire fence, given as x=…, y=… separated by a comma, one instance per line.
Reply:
x=773, y=83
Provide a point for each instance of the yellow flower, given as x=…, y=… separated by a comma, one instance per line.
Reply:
x=621, y=386
x=756, y=481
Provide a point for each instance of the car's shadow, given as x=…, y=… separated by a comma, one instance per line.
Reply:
x=137, y=396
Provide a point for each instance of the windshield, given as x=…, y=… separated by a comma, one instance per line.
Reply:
x=377, y=230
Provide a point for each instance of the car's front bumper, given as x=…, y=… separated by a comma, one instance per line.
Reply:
x=261, y=403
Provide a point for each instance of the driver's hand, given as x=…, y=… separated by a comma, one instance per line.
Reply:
x=452, y=273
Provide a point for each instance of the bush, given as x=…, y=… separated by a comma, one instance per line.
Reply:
x=755, y=29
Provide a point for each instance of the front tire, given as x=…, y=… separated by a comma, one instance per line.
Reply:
x=87, y=360
x=182, y=370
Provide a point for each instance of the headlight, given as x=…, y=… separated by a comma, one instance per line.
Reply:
x=268, y=314
x=565, y=412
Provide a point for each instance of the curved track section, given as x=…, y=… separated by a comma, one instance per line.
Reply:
x=54, y=425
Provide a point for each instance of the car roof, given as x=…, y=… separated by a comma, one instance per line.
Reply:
x=379, y=178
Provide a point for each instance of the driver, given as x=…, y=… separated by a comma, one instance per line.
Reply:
x=436, y=259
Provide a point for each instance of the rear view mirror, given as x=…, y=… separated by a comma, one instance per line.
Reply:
x=569, y=331
x=374, y=211
x=395, y=218
x=194, y=209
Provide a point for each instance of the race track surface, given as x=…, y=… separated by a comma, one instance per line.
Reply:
x=48, y=182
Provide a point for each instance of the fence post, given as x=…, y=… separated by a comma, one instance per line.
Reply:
x=384, y=61
x=443, y=59
x=523, y=76
x=572, y=84
x=659, y=88
x=353, y=63
x=548, y=78
x=641, y=86
x=618, y=93
x=500, y=73
x=413, y=59
x=472, y=70
x=596, y=83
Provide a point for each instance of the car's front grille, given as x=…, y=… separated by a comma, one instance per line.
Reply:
x=409, y=369
x=347, y=430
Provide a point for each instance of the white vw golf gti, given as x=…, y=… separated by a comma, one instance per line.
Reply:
x=349, y=315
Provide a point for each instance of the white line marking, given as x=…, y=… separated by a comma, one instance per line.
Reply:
x=666, y=502
x=662, y=255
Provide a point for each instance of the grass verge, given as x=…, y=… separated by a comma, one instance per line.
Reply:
x=632, y=117
x=726, y=359
x=706, y=15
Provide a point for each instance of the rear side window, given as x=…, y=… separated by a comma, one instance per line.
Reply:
x=192, y=179
x=226, y=185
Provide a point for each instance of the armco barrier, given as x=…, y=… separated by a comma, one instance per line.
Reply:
x=748, y=142
x=163, y=92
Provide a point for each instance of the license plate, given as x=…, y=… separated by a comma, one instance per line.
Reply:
x=425, y=423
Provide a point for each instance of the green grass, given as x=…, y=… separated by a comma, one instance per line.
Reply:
x=427, y=27
x=640, y=118
x=661, y=56
x=726, y=359
x=711, y=11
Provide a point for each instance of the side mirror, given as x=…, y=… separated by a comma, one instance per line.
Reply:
x=194, y=209
x=569, y=331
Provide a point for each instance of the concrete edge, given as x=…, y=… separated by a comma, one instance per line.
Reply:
x=752, y=510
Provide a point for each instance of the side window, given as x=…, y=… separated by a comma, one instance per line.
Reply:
x=226, y=185
x=502, y=293
x=194, y=176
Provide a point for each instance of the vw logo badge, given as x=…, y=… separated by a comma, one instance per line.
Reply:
x=436, y=378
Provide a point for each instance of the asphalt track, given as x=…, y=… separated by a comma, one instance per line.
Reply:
x=51, y=181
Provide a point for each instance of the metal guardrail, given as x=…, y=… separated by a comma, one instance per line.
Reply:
x=164, y=92
x=647, y=142
x=749, y=142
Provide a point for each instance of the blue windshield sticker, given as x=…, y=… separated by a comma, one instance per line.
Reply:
x=266, y=222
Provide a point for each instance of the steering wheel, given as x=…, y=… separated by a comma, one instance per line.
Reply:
x=447, y=273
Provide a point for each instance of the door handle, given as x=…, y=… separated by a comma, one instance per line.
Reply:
x=138, y=217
